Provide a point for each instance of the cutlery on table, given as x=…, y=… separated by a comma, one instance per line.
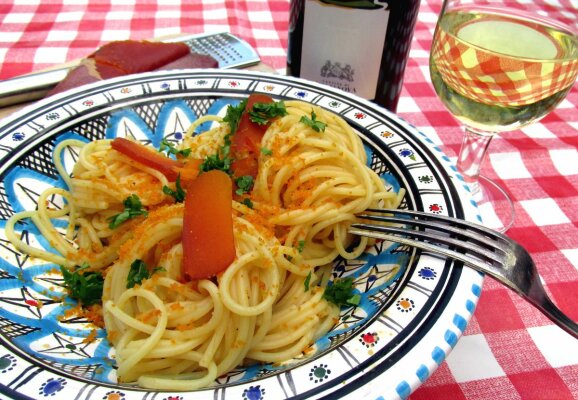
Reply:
x=227, y=49
x=481, y=248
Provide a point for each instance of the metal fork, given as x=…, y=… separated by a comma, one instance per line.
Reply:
x=479, y=247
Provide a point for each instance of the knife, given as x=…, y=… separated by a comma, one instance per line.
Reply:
x=227, y=49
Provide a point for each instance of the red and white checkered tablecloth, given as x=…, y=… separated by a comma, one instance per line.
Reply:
x=509, y=350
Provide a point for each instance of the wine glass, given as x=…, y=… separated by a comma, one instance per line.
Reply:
x=499, y=65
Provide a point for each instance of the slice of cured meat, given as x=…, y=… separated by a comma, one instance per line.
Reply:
x=129, y=57
x=191, y=60
x=83, y=74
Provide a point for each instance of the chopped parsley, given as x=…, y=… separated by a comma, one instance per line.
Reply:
x=340, y=293
x=132, y=208
x=307, y=281
x=221, y=160
x=247, y=201
x=233, y=115
x=170, y=148
x=354, y=300
x=84, y=286
x=244, y=184
x=300, y=246
x=313, y=123
x=267, y=152
x=139, y=272
x=179, y=194
x=262, y=113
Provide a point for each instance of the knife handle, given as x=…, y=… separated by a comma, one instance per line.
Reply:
x=229, y=50
x=30, y=87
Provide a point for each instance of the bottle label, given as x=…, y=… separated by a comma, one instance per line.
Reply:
x=342, y=47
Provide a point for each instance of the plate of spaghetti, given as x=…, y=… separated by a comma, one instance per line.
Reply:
x=184, y=235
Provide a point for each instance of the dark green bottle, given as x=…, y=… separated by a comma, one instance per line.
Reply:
x=359, y=46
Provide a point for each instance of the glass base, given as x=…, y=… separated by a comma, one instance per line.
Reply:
x=494, y=204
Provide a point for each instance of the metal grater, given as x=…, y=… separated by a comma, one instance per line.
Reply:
x=227, y=49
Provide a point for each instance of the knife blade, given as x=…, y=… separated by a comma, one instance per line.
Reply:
x=227, y=49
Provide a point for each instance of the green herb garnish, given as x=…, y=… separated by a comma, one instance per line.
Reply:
x=244, y=184
x=354, y=300
x=170, y=148
x=179, y=194
x=340, y=293
x=139, y=272
x=307, y=281
x=84, y=286
x=300, y=246
x=132, y=208
x=221, y=160
x=233, y=115
x=262, y=113
x=247, y=201
x=313, y=123
x=266, y=151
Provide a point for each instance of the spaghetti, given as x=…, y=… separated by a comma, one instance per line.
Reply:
x=267, y=305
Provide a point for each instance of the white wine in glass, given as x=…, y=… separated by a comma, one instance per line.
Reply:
x=497, y=68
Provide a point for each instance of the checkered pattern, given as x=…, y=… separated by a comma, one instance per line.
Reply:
x=37, y=34
x=485, y=77
x=509, y=350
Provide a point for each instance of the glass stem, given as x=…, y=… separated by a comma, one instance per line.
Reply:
x=474, y=147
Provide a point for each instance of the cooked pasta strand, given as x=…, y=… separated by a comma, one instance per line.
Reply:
x=170, y=334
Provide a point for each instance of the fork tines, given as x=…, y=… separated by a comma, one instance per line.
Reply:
x=485, y=250
x=461, y=240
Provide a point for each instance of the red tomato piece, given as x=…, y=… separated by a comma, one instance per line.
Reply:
x=246, y=141
x=189, y=171
x=249, y=165
x=208, y=239
x=148, y=157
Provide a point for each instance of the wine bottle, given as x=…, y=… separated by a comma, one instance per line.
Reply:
x=359, y=46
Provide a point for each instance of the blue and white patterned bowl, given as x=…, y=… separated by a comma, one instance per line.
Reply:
x=409, y=318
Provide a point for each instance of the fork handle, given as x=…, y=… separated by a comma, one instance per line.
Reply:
x=551, y=311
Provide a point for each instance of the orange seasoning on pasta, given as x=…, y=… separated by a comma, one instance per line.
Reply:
x=208, y=241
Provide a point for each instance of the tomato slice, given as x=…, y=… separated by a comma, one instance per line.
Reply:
x=150, y=158
x=247, y=166
x=208, y=239
x=246, y=141
x=189, y=171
